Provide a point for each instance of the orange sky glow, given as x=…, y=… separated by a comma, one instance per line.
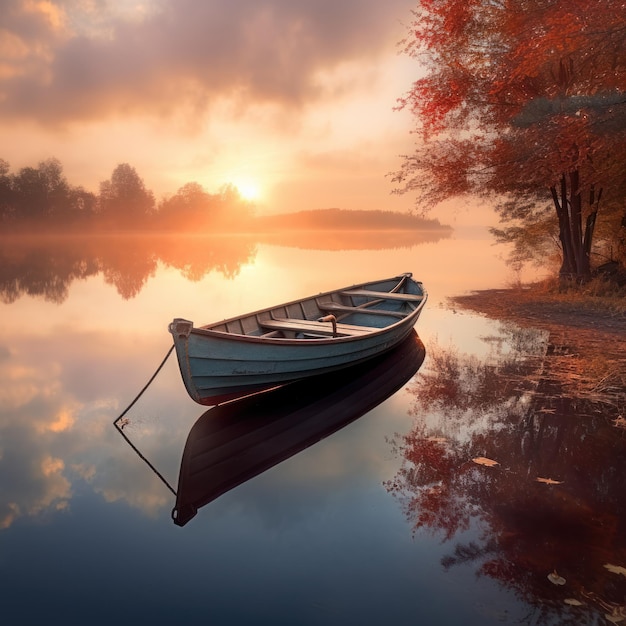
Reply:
x=290, y=100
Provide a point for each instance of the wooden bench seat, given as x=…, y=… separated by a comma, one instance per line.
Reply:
x=342, y=308
x=404, y=297
x=316, y=328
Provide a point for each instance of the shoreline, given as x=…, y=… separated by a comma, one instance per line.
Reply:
x=587, y=343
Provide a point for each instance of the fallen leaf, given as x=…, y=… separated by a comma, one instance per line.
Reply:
x=555, y=579
x=616, y=569
x=573, y=602
x=619, y=422
x=549, y=481
x=616, y=616
x=481, y=460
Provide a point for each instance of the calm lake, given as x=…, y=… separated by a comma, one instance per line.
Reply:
x=475, y=493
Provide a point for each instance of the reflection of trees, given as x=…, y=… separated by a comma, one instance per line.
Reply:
x=553, y=502
x=37, y=271
x=48, y=266
x=126, y=266
x=351, y=239
x=197, y=256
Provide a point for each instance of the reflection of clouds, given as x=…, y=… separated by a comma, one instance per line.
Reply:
x=85, y=471
x=55, y=424
x=63, y=420
x=33, y=478
x=24, y=384
x=31, y=466
x=145, y=493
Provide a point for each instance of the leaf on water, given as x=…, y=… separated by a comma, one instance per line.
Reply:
x=555, y=579
x=620, y=422
x=481, y=460
x=573, y=602
x=616, y=569
x=548, y=481
x=616, y=617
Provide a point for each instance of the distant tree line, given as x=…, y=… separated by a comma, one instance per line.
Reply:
x=40, y=198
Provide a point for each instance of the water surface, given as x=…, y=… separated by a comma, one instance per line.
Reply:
x=401, y=516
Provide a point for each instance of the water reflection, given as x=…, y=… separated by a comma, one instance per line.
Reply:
x=234, y=442
x=47, y=266
x=352, y=239
x=536, y=475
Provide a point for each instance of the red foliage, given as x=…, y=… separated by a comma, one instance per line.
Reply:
x=536, y=89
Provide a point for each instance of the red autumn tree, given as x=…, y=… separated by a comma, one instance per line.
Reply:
x=524, y=100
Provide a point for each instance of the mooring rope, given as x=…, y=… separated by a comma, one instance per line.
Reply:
x=158, y=369
x=121, y=432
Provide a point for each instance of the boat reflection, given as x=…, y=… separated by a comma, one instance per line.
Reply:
x=231, y=443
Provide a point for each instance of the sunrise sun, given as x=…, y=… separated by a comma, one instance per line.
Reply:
x=248, y=188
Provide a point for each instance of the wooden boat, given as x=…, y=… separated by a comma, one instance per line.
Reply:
x=295, y=340
x=239, y=440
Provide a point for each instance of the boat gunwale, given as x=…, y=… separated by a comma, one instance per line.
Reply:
x=299, y=341
x=209, y=330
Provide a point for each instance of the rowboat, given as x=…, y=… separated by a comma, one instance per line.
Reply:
x=236, y=441
x=295, y=340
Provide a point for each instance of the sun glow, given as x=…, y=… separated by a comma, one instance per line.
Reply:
x=248, y=189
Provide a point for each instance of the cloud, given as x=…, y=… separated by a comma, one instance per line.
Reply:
x=69, y=61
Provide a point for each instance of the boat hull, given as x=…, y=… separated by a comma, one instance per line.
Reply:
x=245, y=355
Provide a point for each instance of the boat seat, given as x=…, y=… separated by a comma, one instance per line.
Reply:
x=316, y=328
x=382, y=295
x=342, y=308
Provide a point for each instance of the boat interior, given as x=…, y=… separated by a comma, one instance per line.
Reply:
x=343, y=313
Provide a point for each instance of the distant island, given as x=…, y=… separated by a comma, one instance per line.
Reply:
x=342, y=219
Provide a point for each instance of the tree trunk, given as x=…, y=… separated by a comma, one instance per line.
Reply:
x=575, y=245
x=583, y=265
x=560, y=204
x=591, y=220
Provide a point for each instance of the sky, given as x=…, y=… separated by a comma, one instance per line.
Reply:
x=290, y=100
